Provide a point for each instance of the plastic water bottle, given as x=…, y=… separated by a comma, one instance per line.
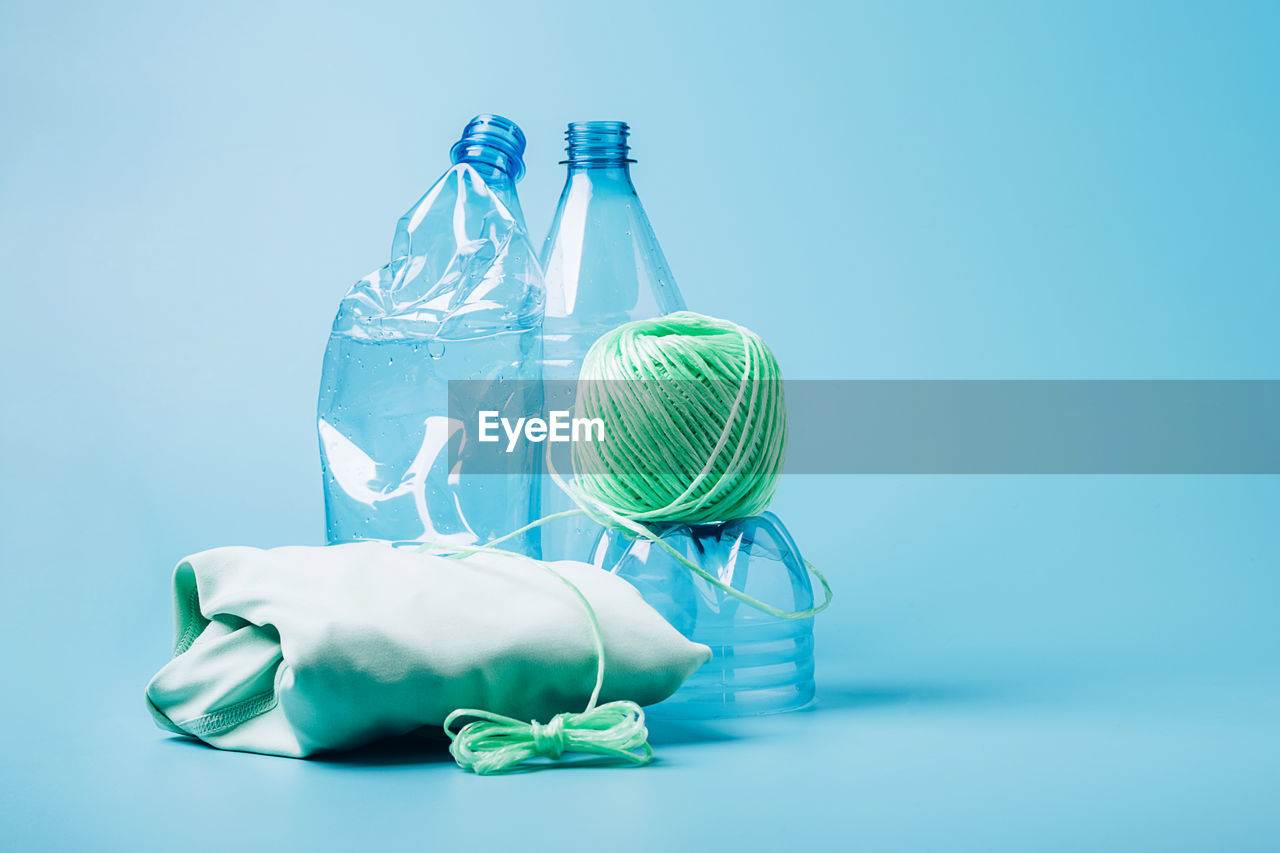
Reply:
x=462, y=298
x=761, y=664
x=603, y=268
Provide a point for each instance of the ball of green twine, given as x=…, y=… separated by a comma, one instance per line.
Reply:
x=700, y=438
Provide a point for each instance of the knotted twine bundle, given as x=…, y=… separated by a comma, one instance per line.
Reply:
x=699, y=438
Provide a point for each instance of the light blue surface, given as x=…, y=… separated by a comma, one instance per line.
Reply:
x=897, y=191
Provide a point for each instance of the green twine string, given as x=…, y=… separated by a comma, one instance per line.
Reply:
x=709, y=449
x=699, y=438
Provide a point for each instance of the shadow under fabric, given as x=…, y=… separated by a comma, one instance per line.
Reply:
x=290, y=651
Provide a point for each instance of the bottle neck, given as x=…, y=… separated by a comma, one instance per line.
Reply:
x=491, y=143
x=602, y=175
x=494, y=147
x=598, y=145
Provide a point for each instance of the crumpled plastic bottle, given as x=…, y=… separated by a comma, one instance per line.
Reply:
x=461, y=299
x=761, y=663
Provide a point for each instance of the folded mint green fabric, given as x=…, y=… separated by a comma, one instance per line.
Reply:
x=293, y=650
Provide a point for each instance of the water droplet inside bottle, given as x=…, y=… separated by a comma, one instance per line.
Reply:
x=435, y=349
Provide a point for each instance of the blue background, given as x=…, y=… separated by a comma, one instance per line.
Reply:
x=948, y=190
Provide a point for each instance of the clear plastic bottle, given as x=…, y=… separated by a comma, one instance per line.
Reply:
x=462, y=298
x=761, y=664
x=603, y=268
